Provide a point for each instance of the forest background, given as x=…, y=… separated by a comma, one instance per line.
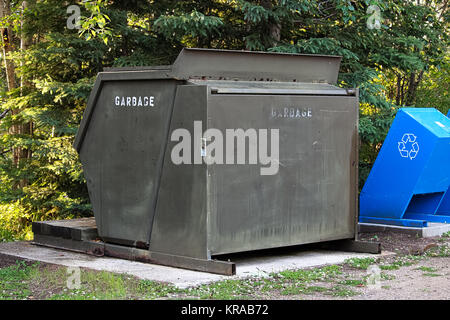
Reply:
x=395, y=51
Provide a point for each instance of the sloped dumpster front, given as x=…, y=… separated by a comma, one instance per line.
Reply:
x=186, y=213
x=409, y=182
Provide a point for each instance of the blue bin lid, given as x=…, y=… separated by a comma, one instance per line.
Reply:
x=432, y=119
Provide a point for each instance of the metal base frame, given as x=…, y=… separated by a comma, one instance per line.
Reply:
x=414, y=220
x=350, y=245
x=430, y=217
x=80, y=235
x=416, y=223
x=97, y=248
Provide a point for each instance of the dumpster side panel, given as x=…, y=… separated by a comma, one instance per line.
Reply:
x=179, y=227
x=312, y=198
x=122, y=156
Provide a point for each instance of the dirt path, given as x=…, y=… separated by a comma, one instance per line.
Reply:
x=426, y=280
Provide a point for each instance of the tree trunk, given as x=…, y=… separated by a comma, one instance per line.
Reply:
x=412, y=87
x=397, y=95
x=27, y=128
x=274, y=27
x=5, y=10
x=18, y=153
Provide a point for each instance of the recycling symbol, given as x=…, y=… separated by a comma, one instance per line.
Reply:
x=408, y=147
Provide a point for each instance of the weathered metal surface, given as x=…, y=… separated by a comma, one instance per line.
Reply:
x=89, y=247
x=76, y=229
x=195, y=211
x=310, y=199
x=255, y=66
x=206, y=265
x=122, y=155
x=181, y=208
x=221, y=64
x=105, y=77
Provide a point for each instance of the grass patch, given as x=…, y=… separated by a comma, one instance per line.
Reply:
x=439, y=251
x=317, y=274
x=102, y=285
x=404, y=261
x=360, y=263
x=353, y=283
x=293, y=290
x=314, y=289
x=396, y=265
x=386, y=276
x=427, y=269
x=390, y=267
x=302, y=289
x=14, y=281
x=152, y=289
x=340, y=291
x=224, y=290
x=22, y=281
x=431, y=274
x=270, y=284
x=446, y=235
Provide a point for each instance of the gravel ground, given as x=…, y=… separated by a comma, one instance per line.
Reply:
x=415, y=282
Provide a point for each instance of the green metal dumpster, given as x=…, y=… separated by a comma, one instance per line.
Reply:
x=199, y=205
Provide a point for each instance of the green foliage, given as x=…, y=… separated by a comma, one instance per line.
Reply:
x=96, y=24
x=434, y=91
x=13, y=224
x=194, y=24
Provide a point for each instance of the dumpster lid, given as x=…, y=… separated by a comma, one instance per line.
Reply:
x=432, y=119
x=255, y=66
x=272, y=88
x=210, y=64
x=249, y=66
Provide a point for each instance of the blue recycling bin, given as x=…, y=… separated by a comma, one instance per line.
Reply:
x=410, y=179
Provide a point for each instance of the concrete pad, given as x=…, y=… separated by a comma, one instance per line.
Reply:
x=433, y=229
x=250, y=266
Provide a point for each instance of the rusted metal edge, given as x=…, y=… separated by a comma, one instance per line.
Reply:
x=89, y=247
x=183, y=262
x=134, y=254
